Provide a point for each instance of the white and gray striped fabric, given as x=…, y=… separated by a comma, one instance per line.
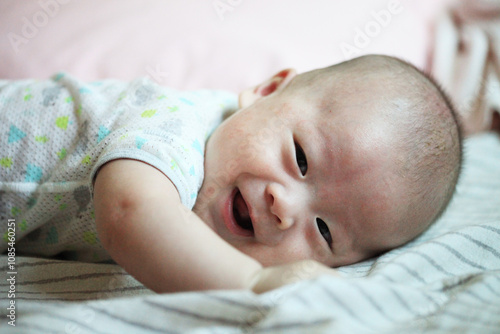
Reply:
x=446, y=281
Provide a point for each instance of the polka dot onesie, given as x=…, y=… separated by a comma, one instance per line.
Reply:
x=55, y=134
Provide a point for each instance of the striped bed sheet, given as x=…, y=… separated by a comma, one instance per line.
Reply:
x=446, y=281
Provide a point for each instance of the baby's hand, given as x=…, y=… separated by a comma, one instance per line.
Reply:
x=274, y=277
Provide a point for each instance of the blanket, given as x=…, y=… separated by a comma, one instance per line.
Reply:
x=448, y=279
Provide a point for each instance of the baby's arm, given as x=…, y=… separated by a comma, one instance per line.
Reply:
x=145, y=228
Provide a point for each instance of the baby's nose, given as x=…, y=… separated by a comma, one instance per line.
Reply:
x=282, y=206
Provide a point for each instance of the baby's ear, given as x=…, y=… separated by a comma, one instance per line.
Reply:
x=271, y=85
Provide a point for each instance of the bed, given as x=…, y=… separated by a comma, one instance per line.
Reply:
x=447, y=280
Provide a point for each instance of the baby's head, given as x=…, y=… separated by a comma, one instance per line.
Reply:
x=337, y=164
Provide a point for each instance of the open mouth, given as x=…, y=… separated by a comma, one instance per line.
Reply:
x=241, y=213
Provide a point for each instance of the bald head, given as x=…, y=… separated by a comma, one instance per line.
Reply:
x=426, y=138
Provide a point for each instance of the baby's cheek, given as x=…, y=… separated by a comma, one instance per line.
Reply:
x=321, y=254
x=202, y=201
x=247, y=150
x=232, y=166
x=235, y=133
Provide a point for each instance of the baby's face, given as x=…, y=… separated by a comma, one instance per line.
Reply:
x=291, y=178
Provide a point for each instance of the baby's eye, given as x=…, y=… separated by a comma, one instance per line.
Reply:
x=325, y=232
x=301, y=159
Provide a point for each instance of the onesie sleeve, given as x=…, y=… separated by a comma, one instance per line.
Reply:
x=168, y=132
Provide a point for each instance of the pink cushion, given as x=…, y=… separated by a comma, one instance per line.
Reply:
x=228, y=44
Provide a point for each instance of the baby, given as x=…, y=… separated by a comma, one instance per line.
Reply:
x=313, y=171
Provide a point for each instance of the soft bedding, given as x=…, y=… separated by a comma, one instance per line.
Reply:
x=447, y=280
